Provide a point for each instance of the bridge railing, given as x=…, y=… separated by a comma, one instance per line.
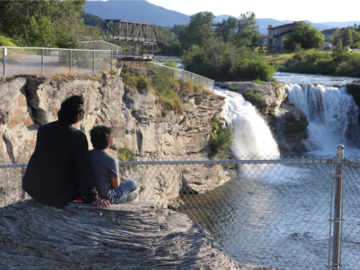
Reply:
x=37, y=60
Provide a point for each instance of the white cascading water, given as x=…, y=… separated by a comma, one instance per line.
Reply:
x=331, y=112
x=252, y=136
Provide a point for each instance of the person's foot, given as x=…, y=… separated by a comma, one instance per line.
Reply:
x=128, y=198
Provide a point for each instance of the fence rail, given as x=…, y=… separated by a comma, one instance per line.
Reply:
x=282, y=213
x=37, y=60
x=177, y=74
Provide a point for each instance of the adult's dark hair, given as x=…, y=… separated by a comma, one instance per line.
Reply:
x=101, y=136
x=72, y=109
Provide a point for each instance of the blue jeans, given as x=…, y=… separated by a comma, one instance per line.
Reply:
x=125, y=188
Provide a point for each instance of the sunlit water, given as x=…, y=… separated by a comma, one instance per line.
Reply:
x=278, y=215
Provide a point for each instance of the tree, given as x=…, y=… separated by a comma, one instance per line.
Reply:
x=347, y=37
x=226, y=29
x=305, y=35
x=53, y=23
x=336, y=38
x=198, y=30
x=248, y=30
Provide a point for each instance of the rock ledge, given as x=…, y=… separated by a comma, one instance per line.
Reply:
x=128, y=236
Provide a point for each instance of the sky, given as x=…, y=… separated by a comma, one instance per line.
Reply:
x=313, y=10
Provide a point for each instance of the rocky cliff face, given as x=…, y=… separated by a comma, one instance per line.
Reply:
x=287, y=123
x=28, y=102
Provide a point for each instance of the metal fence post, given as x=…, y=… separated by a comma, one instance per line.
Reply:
x=93, y=67
x=42, y=60
x=111, y=62
x=336, y=256
x=174, y=73
x=4, y=61
x=70, y=60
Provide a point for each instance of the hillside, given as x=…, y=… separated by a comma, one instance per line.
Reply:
x=139, y=11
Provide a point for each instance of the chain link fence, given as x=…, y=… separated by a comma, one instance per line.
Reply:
x=269, y=212
x=28, y=60
x=175, y=73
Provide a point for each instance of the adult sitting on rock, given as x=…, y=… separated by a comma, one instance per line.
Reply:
x=59, y=169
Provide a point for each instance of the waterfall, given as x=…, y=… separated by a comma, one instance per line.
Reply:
x=332, y=114
x=252, y=136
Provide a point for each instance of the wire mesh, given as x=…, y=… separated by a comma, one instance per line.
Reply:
x=2, y=62
x=21, y=60
x=273, y=213
x=350, y=244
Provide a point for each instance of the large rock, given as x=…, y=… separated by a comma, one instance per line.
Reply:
x=130, y=236
x=291, y=128
x=273, y=93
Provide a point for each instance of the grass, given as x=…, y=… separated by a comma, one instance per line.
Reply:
x=5, y=41
x=279, y=58
x=170, y=91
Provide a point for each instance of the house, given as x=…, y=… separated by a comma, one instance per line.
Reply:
x=277, y=34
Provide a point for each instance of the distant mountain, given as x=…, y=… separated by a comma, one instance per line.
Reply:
x=263, y=23
x=135, y=10
x=143, y=11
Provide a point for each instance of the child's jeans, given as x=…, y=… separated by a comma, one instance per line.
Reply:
x=125, y=188
x=116, y=194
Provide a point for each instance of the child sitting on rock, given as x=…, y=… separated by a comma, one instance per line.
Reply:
x=106, y=169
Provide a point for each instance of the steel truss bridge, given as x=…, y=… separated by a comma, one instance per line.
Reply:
x=137, y=40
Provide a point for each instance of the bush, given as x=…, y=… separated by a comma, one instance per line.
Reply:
x=126, y=154
x=219, y=60
x=172, y=64
x=340, y=63
x=258, y=81
x=254, y=99
x=220, y=141
x=5, y=41
x=136, y=80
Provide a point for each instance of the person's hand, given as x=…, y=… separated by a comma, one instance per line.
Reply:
x=101, y=203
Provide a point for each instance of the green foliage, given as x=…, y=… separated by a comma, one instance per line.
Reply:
x=254, y=98
x=340, y=63
x=92, y=20
x=347, y=37
x=336, y=37
x=220, y=60
x=226, y=30
x=135, y=80
x=305, y=35
x=172, y=64
x=198, y=30
x=235, y=89
x=42, y=23
x=220, y=141
x=5, y=41
x=248, y=30
x=258, y=81
x=165, y=87
x=126, y=154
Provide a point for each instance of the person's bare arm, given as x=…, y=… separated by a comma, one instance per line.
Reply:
x=115, y=182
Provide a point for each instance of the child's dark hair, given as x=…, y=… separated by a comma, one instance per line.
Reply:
x=101, y=137
x=72, y=109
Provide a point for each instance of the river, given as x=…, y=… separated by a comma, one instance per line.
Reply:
x=278, y=215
